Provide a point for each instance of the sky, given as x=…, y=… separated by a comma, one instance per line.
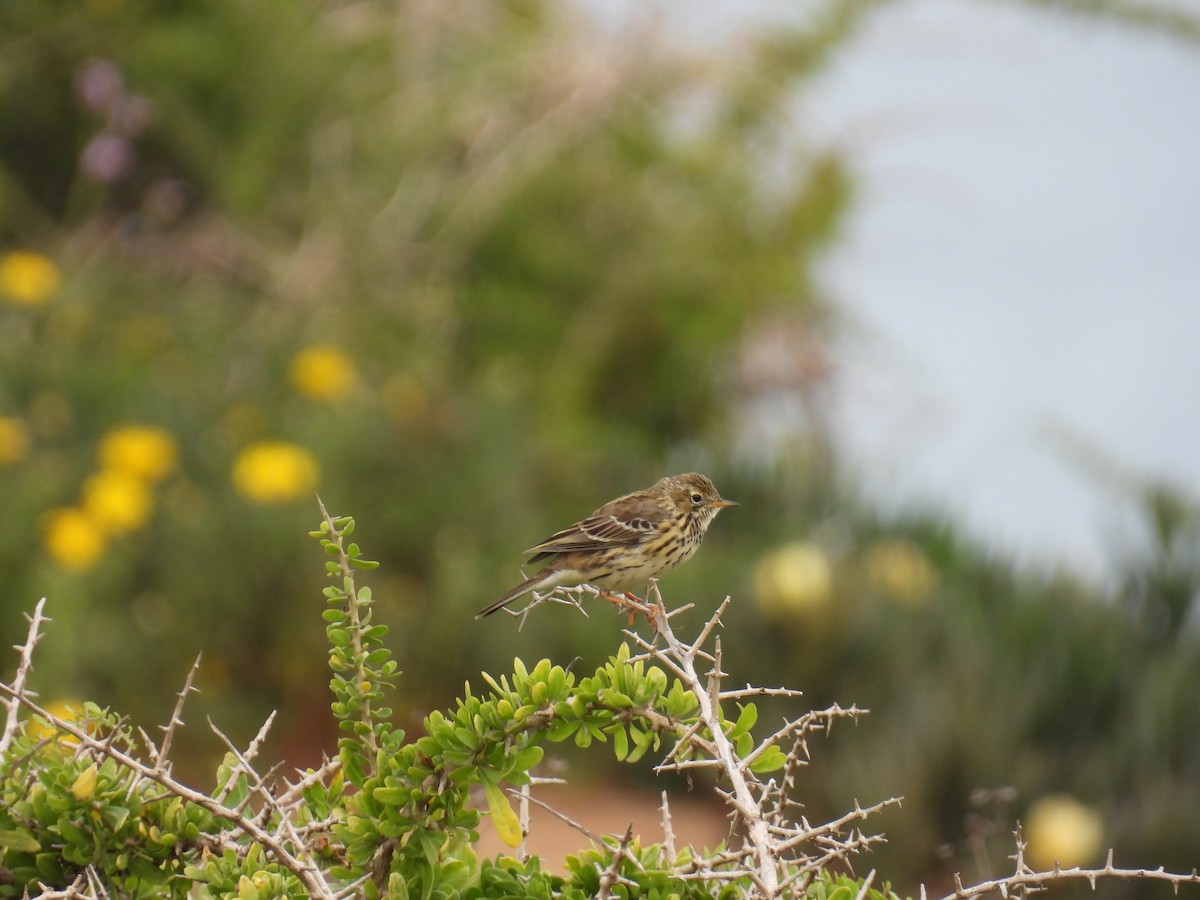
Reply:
x=1022, y=276
x=1019, y=284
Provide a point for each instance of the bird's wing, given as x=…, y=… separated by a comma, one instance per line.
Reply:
x=603, y=529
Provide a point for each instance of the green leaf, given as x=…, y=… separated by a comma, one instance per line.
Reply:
x=770, y=760
x=504, y=820
x=620, y=742
x=72, y=832
x=528, y=758
x=19, y=841
x=613, y=697
x=745, y=720
x=391, y=796
x=114, y=816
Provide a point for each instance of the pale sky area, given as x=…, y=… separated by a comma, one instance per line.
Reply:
x=1024, y=260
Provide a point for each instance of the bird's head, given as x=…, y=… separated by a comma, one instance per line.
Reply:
x=695, y=495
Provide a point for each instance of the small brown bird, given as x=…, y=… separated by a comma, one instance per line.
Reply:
x=627, y=541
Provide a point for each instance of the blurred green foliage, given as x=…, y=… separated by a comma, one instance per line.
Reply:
x=469, y=270
x=525, y=259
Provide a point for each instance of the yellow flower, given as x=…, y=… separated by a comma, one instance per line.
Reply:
x=901, y=569
x=14, y=441
x=66, y=709
x=1060, y=829
x=117, y=501
x=323, y=372
x=28, y=278
x=795, y=578
x=141, y=451
x=72, y=538
x=274, y=472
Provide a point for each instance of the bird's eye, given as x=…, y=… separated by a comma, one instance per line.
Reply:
x=696, y=498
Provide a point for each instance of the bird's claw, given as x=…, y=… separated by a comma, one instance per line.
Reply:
x=632, y=604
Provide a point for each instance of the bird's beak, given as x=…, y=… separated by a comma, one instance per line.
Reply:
x=721, y=504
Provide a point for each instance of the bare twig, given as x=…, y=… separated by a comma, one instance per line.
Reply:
x=1025, y=879
x=765, y=874
x=160, y=760
x=610, y=876
x=23, y=668
x=242, y=758
x=668, y=831
x=866, y=886
x=582, y=829
x=301, y=866
x=295, y=792
x=563, y=596
x=523, y=820
x=73, y=891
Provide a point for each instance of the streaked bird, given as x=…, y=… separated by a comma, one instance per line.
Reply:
x=627, y=541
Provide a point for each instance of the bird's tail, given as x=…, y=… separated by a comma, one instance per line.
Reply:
x=529, y=584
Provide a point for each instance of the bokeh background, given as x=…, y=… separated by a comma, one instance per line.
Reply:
x=467, y=270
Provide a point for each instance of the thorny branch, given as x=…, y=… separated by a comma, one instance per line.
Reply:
x=1025, y=880
x=23, y=668
x=774, y=852
x=773, y=847
x=160, y=757
x=287, y=848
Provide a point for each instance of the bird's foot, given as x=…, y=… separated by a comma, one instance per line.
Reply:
x=629, y=603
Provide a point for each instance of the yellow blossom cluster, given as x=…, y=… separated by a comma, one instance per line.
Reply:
x=901, y=570
x=798, y=578
x=28, y=278
x=273, y=472
x=115, y=499
x=794, y=579
x=322, y=372
x=1062, y=831
x=68, y=709
x=14, y=441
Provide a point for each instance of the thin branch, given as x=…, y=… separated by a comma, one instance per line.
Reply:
x=295, y=792
x=306, y=871
x=562, y=596
x=160, y=760
x=810, y=721
x=611, y=874
x=668, y=831
x=749, y=691
x=765, y=873
x=523, y=821
x=23, y=668
x=242, y=758
x=1033, y=880
x=866, y=886
x=834, y=826
x=582, y=829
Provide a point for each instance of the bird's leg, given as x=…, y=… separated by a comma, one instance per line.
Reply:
x=631, y=603
x=625, y=602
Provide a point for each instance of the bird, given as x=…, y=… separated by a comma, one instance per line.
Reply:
x=627, y=541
